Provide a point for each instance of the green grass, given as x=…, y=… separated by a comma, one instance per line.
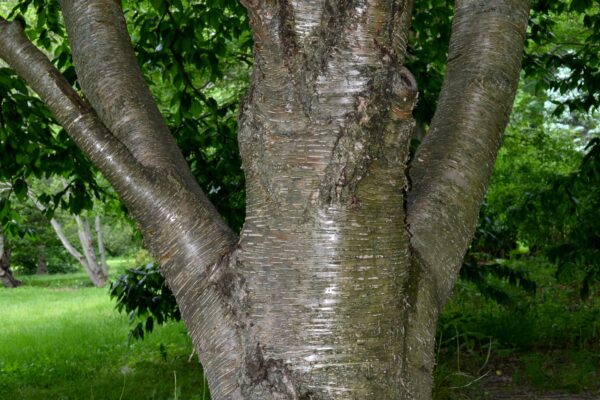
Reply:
x=61, y=340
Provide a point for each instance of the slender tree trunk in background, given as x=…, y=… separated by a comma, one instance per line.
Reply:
x=92, y=269
x=42, y=262
x=91, y=272
x=333, y=289
x=101, y=248
x=6, y=275
x=69, y=247
x=87, y=244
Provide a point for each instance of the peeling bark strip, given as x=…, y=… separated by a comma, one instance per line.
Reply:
x=334, y=287
x=452, y=168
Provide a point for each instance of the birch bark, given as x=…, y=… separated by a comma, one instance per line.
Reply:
x=333, y=288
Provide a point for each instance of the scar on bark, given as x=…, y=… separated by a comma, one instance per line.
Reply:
x=227, y=280
x=268, y=374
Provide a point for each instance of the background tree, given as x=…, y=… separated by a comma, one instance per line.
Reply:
x=8, y=280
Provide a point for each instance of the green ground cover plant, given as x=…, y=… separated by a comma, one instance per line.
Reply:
x=547, y=341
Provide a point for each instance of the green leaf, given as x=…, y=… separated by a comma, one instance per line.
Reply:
x=20, y=189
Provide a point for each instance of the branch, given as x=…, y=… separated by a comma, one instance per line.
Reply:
x=181, y=227
x=452, y=167
x=74, y=114
x=112, y=81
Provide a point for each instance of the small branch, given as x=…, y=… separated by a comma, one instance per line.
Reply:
x=452, y=168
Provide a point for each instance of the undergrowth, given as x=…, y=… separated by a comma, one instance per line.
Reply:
x=548, y=341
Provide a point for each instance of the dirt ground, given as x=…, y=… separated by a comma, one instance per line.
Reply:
x=498, y=388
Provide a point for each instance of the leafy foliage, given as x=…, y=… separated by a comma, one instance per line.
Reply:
x=428, y=50
x=492, y=244
x=37, y=243
x=144, y=296
x=570, y=205
x=562, y=52
x=32, y=145
x=197, y=58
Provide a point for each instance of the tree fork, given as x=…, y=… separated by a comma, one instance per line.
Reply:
x=335, y=284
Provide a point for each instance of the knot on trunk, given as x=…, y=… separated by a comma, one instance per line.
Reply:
x=404, y=93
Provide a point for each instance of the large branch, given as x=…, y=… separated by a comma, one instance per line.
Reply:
x=181, y=227
x=73, y=113
x=452, y=167
x=161, y=203
x=112, y=81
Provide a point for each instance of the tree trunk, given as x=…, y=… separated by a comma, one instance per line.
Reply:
x=6, y=275
x=101, y=248
x=92, y=269
x=42, y=262
x=333, y=289
x=87, y=244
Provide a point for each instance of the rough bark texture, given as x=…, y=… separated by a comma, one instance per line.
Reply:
x=334, y=286
x=324, y=133
x=451, y=170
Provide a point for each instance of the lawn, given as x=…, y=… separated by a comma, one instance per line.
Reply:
x=60, y=339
